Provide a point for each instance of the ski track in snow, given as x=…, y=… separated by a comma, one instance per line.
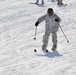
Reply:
x=17, y=19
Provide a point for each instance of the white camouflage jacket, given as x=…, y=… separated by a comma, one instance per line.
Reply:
x=50, y=22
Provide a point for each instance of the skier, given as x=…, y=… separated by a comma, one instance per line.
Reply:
x=59, y=2
x=38, y=1
x=51, y=26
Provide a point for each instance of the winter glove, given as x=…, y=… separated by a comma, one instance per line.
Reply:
x=36, y=24
x=57, y=20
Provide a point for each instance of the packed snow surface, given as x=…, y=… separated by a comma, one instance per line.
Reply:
x=17, y=29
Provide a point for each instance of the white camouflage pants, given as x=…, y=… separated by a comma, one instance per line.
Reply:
x=59, y=2
x=46, y=38
x=38, y=1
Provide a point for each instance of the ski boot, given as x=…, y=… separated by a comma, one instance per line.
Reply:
x=44, y=48
x=36, y=2
x=60, y=4
x=42, y=2
x=54, y=47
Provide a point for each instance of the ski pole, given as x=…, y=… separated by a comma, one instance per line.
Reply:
x=35, y=33
x=35, y=37
x=63, y=32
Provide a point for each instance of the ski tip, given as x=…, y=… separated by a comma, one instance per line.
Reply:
x=35, y=50
x=34, y=38
x=47, y=51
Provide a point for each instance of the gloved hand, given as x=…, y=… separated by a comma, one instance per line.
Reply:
x=36, y=24
x=57, y=20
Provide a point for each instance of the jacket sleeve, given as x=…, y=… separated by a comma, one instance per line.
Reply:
x=41, y=19
x=57, y=17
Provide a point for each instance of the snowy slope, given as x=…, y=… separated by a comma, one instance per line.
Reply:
x=17, y=19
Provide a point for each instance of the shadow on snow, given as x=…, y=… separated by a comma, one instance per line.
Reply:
x=53, y=0
x=51, y=54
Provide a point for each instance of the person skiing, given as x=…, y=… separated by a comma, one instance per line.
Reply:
x=38, y=1
x=59, y=2
x=51, y=27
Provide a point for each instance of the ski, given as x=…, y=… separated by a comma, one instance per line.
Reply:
x=43, y=50
x=42, y=5
x=32, y=3
x=62, y=5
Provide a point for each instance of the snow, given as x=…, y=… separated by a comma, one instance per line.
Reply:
x=17, y=19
